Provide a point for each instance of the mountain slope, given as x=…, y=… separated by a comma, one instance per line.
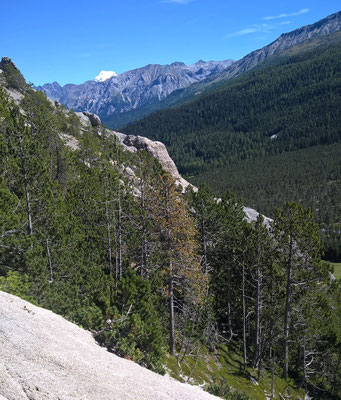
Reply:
x=132, y=89
x=304, y=83
x=104, y=237
x=317, y=32
x=290, y=103
x=324, y=27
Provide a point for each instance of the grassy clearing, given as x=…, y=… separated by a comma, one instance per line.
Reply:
x=226, y=364
x=337, y=270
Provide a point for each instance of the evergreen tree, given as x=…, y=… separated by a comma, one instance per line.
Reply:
x=299, y=252
x=226, y=261
x=183, y=277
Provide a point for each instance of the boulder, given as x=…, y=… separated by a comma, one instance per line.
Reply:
x=94, y=119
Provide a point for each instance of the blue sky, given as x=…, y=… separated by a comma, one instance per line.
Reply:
x=72, y=41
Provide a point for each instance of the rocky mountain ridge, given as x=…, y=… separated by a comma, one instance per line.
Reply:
x=131, y=89
x=323, y=27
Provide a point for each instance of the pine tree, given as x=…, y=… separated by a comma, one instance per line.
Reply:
x=183, y=277
x=226, y=261
x=299, y=250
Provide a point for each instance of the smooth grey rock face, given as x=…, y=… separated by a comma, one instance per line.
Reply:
x=251, y=215
x=156, y=149
x=45, y=357
x=132, y=89
x=159, y=151
x=15, y=95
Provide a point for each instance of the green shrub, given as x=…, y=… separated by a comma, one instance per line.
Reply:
x=14, y=78
x=17, y=284
x=238, y=396
x=219, y=388
x=136, y=332
x=222, y=389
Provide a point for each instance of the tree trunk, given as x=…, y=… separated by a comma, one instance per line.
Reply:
x=304, y=366
x=229, y=317
x=119, y=226
x=109, y=250
x=244, y=317
x=27, y=193
x=116, y=258
x=256, y=359
x=287, y=311
x=143, y=224
x=272, y=372
x=204, y=242
x=171, y=313
x=271, y=324
x=49, y=258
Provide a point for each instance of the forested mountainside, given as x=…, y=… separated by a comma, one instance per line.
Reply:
x=176, y=282
x=320, y=31
x=131, y=91
x=278, y=114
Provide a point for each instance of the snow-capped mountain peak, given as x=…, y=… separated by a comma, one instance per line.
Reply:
x=105, y=75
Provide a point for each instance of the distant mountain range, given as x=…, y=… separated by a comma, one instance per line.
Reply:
x=111, y=94
x=120, y=99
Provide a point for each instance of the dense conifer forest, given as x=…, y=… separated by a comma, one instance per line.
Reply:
x=270, y=135
x=160, y=277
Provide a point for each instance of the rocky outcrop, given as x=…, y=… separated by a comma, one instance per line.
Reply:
x=251, y=215
x=45, y=357
x=7, y=61
x=13, y=93
x=70, y=141
x=158, y=150
x=93, y=118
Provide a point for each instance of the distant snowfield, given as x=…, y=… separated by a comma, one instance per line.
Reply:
x=105, y=75
x=45, y=357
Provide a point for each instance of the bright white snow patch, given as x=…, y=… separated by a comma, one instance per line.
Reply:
x=104, y=75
